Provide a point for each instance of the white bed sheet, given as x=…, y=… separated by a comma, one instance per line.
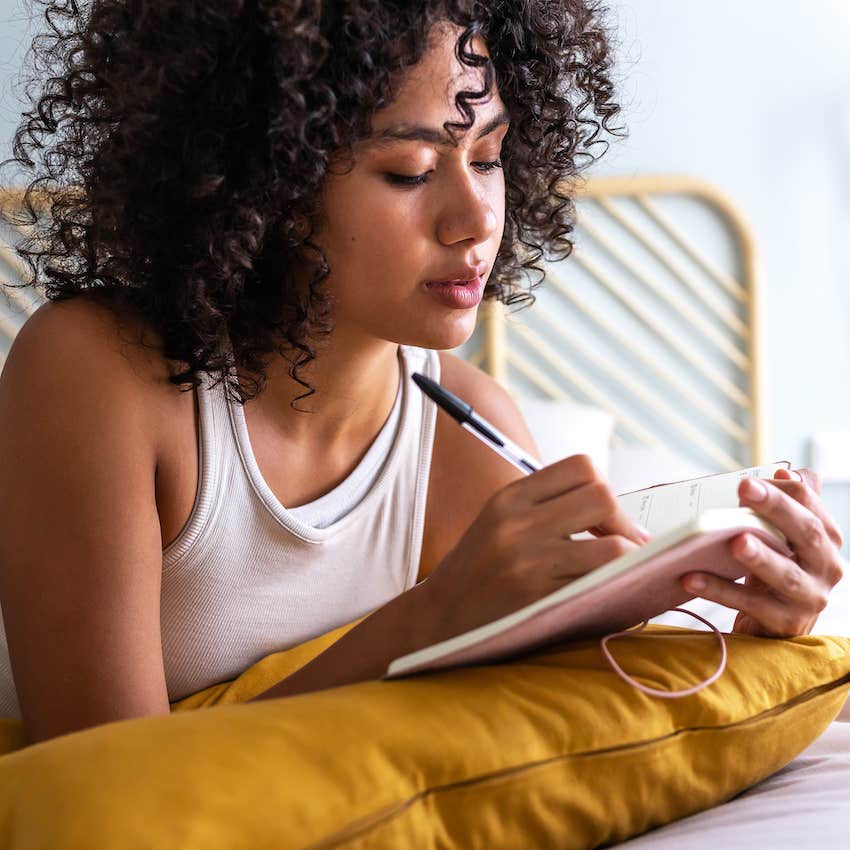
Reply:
x=804, y=805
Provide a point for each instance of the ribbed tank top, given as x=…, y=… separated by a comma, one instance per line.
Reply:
x=247, y=577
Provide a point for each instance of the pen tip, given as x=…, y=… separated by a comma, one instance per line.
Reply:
x=454, y=406
x=425, y=384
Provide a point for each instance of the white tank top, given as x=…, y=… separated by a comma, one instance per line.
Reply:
x=327, y=509
x=247, y=577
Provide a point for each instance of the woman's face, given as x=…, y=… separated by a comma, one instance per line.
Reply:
x=415, y=210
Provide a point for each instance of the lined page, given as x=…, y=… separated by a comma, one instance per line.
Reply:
x=668, y=506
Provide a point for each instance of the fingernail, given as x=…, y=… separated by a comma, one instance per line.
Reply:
x=754, y=490
x=695, y=583
x=645, y=533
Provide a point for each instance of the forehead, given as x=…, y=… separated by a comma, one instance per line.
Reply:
x=426, y=97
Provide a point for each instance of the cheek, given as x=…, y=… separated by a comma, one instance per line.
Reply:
x=375, y=249
x=378, y=229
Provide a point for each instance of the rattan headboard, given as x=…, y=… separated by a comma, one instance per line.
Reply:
x=653, y=317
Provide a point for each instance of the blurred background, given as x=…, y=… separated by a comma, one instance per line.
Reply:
x=754, y=98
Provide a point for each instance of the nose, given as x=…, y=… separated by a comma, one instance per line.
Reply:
x=467, y=213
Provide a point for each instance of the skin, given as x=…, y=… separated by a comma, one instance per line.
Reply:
x=782, y=596
x=96, y=439
x=451, y=221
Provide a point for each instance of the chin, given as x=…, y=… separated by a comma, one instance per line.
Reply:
x=439, y=336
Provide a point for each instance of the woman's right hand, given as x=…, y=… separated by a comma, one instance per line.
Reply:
x=519, y=547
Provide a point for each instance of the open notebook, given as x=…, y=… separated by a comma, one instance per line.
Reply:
x=692, y=522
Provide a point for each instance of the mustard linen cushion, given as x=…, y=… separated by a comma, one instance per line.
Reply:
x=549, y=750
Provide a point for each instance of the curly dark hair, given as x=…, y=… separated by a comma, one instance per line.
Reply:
x=184, y=143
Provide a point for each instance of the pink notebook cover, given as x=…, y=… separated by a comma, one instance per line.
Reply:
x=638, y=594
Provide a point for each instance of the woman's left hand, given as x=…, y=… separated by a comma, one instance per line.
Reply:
x=782, y=596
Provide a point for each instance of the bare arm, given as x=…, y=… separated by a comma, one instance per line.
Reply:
x=80, y=546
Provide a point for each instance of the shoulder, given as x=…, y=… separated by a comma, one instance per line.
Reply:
x=81, y=357
x=94, y=331
x=83, y=342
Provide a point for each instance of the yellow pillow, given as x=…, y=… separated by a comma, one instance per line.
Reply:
x=549, y=750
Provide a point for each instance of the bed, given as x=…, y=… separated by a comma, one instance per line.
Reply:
x=643, y=350
x=804, y=805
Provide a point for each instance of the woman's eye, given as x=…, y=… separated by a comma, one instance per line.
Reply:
x=488, y=166
x=420, y=179
x=404, y=180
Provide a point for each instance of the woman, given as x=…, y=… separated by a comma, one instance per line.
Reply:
x=288, y=209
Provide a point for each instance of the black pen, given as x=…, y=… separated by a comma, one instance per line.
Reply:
x=476, y=425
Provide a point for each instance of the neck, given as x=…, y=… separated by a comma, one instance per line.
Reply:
x=355, y=388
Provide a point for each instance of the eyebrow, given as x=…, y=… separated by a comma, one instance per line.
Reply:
x=420, y=133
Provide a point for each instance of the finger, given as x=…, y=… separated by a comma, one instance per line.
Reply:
x=645, y=533
x=574, y=558
x=805, y=531
x=622, y=524
x=807, y=476
x=746, y=625
x=780, y=573
x=554, y=480
x=802, y=492
x=775, y=616
x=591, y=506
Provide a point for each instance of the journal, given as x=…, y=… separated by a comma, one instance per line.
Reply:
x=691, y=522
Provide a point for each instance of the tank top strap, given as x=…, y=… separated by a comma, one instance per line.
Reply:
x=212, y=436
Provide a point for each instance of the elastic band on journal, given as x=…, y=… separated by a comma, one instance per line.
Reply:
x=666, y=694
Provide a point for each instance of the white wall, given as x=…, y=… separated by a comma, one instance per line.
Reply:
x=756, y=98
x=14, y=40
x=754, y=95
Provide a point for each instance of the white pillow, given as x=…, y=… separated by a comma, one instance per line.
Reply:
x=633, y=467
x=564, y=428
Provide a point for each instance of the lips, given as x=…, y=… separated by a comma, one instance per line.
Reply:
x=458, y=294
x=459, y=277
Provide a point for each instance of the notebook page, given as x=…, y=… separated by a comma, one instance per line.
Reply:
x=668, y=506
